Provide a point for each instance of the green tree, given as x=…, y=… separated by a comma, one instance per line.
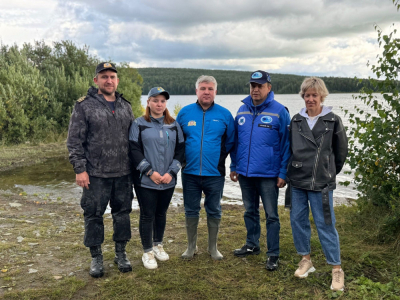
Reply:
x=130, y=85
x=24, y=97
x=374, y=139
x=39, y=86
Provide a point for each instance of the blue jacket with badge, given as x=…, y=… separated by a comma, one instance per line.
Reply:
x=209, y=137
x=262, y=139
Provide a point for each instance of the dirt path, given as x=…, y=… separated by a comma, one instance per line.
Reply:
x=36, y=241
x=41, y=245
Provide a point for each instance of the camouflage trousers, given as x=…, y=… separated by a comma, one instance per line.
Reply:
x=119, y=193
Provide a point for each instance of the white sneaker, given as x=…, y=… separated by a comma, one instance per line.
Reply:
x=337, y=280
x=149, y=261
x=305, y=267
x=159, y=253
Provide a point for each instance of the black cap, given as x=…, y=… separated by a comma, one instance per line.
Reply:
x=260, y=77
x=106, y=66
x=158, y=91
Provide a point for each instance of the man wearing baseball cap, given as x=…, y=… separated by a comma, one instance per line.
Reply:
x=98, y=148
x=259, y=162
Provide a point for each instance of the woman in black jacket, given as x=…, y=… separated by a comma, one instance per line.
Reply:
x=319, y=149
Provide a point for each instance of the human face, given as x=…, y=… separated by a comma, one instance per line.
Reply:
x=206, y=94
x=313, y=102
x=157, y=105
x=107, y=81
x=259, y=92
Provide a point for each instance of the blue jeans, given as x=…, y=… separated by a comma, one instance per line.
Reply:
x=301, y=229
x=193, y=186
x=252, y=188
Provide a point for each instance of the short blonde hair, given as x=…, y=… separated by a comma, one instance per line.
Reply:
x=314, y=83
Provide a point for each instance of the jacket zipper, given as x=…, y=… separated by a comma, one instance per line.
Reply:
x=201, y=147
x=251, y=134
x=316, y=163
x=120, y=123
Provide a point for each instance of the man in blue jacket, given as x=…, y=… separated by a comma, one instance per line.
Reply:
x=259, y=162
x=209, y=137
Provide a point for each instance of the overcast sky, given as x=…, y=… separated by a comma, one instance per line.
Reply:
x=305, y=37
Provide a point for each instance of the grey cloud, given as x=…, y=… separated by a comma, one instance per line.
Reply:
x=287, y=18
x=182, y=12
x=341, y=21
x=181, y=33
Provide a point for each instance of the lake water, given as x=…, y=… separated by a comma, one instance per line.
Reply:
x=294, y=103
x=55, y=179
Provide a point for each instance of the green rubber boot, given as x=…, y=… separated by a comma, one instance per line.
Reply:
x=213, y=228
x=191, y=230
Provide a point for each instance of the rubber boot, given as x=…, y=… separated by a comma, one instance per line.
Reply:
x=213, y=228
x=96, y=266
x=191, y=230
x=124, y=265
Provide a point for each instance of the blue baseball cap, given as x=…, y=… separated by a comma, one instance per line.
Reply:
x=260, y=77
x=158, y=91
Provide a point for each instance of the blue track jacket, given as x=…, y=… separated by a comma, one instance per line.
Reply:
x=209, y=137
x=261, y=139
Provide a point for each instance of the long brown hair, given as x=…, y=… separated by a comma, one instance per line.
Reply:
x=167, y=117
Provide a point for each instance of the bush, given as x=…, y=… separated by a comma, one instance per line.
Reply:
x=39, y=86
x=374, y=139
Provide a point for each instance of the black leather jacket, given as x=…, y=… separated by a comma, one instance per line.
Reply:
x=318, y=154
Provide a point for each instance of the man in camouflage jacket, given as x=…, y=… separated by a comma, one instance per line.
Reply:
x=98, y=150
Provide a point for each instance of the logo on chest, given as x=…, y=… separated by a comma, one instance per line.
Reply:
x=241, y=120
x=192, y=123
x=266, y=119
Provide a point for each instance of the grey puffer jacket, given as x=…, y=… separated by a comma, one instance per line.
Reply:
x=318, y=154
x=156, y=146
x=98, y=138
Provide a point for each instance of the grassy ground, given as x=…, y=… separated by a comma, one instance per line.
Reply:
x=28, y=154
x=42, y=255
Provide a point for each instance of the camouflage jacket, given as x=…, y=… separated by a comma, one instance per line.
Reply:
x=98, y=138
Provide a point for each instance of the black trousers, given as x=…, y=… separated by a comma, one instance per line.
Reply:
x=118, y=191
x=153, y=214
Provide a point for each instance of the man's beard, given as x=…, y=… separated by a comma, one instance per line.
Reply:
x=105, y=92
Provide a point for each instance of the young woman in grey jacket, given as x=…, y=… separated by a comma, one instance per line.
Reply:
x=157, y=151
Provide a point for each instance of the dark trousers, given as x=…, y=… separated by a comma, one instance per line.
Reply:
x=153, y=214
x=252, y=189
x=118, y=191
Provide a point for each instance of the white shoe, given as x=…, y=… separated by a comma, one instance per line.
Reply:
x=159, y=253
x=305, y=267
x=337, y=280
x=149, y=261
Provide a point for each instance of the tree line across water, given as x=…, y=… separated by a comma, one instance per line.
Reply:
x=182, y=81
x=39, y=85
